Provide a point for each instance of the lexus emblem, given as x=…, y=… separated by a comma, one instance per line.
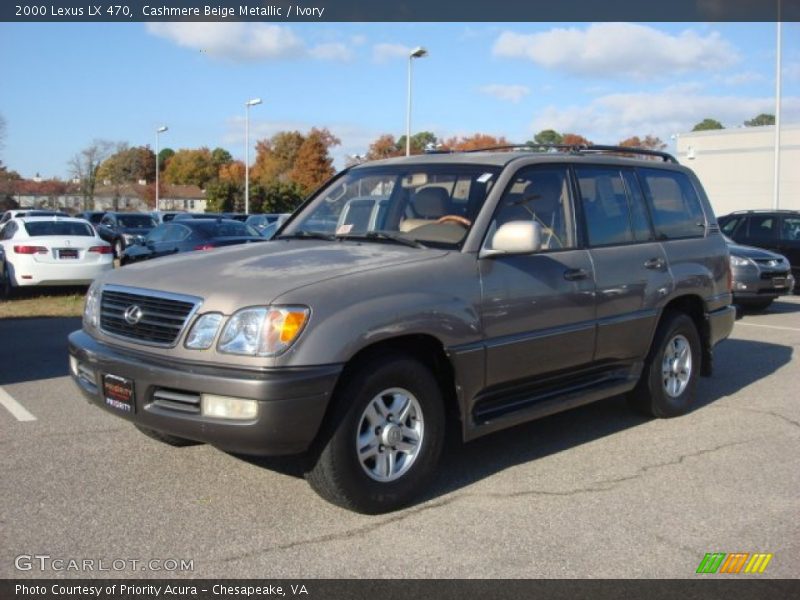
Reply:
x=132, y=315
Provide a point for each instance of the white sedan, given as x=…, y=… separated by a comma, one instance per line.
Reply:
x=51, y=251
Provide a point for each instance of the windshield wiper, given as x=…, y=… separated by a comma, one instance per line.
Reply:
x=307, y=235
x=383, y=236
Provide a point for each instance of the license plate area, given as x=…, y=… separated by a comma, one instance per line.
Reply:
x=118, y=393
x=68, y=253
x=779, y=282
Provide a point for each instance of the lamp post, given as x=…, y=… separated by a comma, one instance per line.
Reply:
x=247, y=105
x=159, y=131
x=417, y=52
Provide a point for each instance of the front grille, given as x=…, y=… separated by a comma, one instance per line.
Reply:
x=774, y=274
x=161, y=318
x=769, y=262
x=188, y=402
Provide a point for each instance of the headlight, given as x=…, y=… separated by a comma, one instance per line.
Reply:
x=203, y=331
x=91, y=307
x=739, y=261
x=263, y=331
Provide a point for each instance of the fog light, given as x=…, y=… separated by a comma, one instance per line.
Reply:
x=225, y=407
x=740, y=286
x=73, y=365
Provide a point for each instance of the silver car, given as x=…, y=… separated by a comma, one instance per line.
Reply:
x=759, y=276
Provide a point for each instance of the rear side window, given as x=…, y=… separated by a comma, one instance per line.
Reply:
x=675, y=206
x=730, y=225
x=791, y=228
x=762, y=228
x=70, y=228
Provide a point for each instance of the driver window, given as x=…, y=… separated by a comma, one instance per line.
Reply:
x=157, y=234
x=539, y=194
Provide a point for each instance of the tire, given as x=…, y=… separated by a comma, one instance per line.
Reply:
x=669, y=379
x=165, y=438
x=119, y=247
x=5, y=283
x=398, y=460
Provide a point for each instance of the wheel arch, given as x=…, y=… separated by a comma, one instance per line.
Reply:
x=693, y=306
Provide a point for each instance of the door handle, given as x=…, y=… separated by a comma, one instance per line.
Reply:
x=575, y=274
x=654, y=263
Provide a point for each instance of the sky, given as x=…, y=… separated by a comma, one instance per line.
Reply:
x=66, y=84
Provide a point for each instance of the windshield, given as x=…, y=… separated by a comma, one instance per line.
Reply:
x=136, y=221
x=434, y=205
x=76, y=228
x=230, y=228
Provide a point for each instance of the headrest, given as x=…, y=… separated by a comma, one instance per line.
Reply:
x=431, y=202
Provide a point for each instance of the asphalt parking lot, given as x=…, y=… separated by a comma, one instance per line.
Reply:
x=594, y=492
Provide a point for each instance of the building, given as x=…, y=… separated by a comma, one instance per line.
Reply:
x=737, y=168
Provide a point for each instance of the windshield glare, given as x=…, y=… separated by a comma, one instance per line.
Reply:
x=432, y=204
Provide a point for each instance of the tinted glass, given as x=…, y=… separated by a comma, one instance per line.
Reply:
x=605, y=206
x=640, y=219
x=539, y=194
x=8, y=231
x=216, y=229
x=136, y=221
x=157, y=234
x=730, y=224
x=70, y=228
x=675, y=206
x=762, y=228
x=790, y=230
x=176, y=232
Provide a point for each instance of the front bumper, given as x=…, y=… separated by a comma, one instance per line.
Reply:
x=720, y=324
x=760, y=284
x=291, y=401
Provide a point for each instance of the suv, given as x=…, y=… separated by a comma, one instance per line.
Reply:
x=472, y=290
x=776, y=230
x=122, y=229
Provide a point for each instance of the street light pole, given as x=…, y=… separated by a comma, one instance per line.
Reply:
x=776, y=192
x=247, y=106
x=417, y=52
x=159, y=131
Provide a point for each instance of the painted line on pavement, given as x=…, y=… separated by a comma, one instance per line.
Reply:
x=19, y=412
x=769, y=326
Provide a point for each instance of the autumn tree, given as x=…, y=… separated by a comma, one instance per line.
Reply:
x=649, y=142
x=573, y=139
x=384, y=147
x=128, y=165
x=547, y=137
x=84, y=165
x=708, y=125
x=233, y=172
x=313, y=164
x=276, y=156
x=473, y=142
x=191, y=167
x=760, y=120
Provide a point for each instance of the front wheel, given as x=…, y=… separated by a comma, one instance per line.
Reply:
x=5, y=283
x=668, y=382
x=384, y=439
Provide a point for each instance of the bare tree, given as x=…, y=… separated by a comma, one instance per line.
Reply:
x=84, y=165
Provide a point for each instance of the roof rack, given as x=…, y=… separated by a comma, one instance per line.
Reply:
x=581, y=148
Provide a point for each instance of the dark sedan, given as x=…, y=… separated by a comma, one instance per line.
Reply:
x=187, y=235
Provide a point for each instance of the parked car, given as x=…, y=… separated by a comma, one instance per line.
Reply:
x=122, y=229
x=188, y=235
x=759, y=276
x=51, y=251
x=165, y=216
x=27, y=212
x=208, y=215
x=491, y=287
x=93, y=216
x=775, y=230
x=236, y=216
x=262, y=222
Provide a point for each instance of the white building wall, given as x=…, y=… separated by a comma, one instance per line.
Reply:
x=736, y=166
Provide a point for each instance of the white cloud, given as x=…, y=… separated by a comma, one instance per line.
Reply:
x=792, y=71
x=613, y=117
x=743, y=78
x=509, y=93
x=383, y=51
x=618, y=50
x=358, y=39
x=246, y=42
x=331, y=51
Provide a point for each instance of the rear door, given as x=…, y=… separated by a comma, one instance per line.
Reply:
x=789, y=241
x=537, y=310
x=762, y=231
x=631, y=274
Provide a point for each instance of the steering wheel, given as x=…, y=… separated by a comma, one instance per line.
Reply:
x=457, y=219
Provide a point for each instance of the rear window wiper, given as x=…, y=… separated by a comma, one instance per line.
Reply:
x=307, y=235
x=382, y=235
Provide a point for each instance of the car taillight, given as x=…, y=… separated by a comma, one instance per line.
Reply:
x=30, y=249
x=205, y=247
x=101, y=249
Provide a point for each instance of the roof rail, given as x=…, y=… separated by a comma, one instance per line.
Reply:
x=580, y=148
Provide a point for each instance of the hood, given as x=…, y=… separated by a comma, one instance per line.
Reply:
x=751, y=252
x=250, y=274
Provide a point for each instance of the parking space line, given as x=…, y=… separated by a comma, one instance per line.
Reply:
x=769, y=326
x=19, y=412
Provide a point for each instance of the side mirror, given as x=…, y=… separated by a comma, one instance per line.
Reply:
x=515, y=237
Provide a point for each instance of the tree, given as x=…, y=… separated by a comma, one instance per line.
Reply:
x=707, y=125
x=474, y=142
x=232, y=171
x=313, y=165
x=573, y=139
x=191, y=167
x=649, y=142
x=224, y=196
x=384, y=147
x=276, y=197
x=760, y=120
x=163, y=158
x=419, y=142
x=276, y=156
x=220, y=156
x=548, y=136
x=128, y=165
x=84, y=165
